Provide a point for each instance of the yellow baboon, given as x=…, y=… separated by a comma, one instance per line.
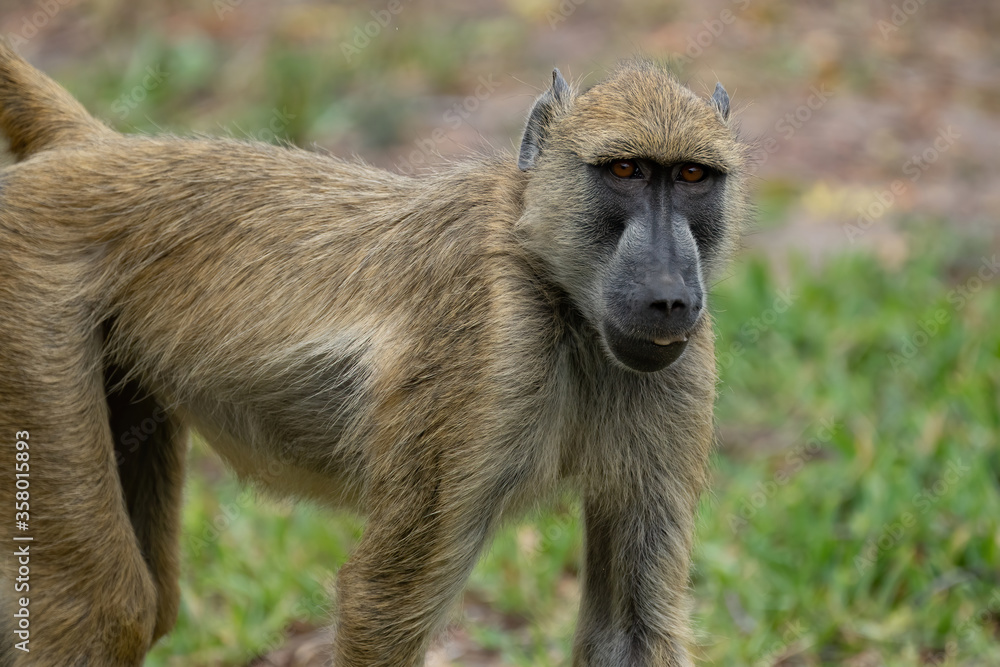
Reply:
x=437, y=352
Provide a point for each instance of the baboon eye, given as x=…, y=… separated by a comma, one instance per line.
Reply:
x=625, y=169
x=692, y=173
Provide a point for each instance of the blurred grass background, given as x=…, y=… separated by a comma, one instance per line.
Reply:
x=855, y=513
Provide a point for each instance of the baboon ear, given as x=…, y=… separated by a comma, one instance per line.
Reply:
x=720, y=99
x=545, y=110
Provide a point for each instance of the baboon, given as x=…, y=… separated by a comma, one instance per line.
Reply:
x=438, y=352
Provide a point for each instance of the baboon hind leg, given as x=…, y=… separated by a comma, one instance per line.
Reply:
x=150, y=447
x=92, y=600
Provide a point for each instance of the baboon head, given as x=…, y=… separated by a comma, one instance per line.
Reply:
x=635, y=193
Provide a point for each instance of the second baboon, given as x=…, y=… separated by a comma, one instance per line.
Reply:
x=437, y=352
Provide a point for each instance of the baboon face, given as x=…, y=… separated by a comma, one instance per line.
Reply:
x=653, y=294
x=627, y=205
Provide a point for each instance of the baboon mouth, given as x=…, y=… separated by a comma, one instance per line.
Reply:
x=663, y=342
x=645, y=355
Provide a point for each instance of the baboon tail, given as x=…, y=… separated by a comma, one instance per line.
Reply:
x=36, y=113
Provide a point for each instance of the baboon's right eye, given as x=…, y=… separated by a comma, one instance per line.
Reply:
x=625, y=169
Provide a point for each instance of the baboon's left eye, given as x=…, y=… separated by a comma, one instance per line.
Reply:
x=624, y=169
x=692, y=173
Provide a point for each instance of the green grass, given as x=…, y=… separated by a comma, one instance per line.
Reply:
x=882, y=533
x=829, y=445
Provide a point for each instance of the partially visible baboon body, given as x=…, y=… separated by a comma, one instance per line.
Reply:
x=436, y=352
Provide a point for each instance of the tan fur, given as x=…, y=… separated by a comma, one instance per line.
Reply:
x=408, y=347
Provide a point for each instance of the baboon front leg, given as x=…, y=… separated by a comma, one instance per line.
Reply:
x=409, y=569
x=150, y=448
x=92, y=600
x=635, y=607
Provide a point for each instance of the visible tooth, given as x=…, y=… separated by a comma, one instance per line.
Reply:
x=669, y=341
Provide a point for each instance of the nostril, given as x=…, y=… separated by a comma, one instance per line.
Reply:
x=669, y=307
